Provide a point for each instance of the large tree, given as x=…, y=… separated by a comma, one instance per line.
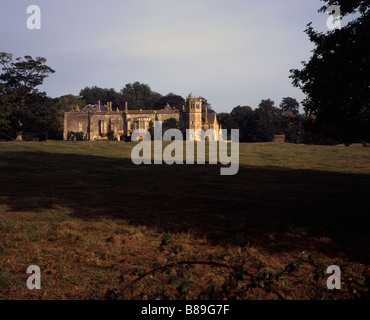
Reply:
x=171, y=99
x=94, y=94
x=43, y=119
x=144, y=98
x=69, y=102
x=336, y=78
x=19, y=79
x=265, y=122
x=290, y=105
x=240, y=120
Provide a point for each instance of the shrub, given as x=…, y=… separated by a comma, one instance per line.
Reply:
x=75, y=136
x=111, y=135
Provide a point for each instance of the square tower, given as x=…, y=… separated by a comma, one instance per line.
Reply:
x=194, y=112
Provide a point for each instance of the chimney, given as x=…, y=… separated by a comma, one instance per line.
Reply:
x=98, y=105
x=126, y=107
x=206, y=114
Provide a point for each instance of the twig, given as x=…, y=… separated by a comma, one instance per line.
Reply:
x=173, y=264
x=278, y=294
x=199, y=262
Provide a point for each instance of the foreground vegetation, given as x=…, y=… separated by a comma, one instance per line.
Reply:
x=95, y=223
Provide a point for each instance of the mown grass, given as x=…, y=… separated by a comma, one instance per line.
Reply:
x=93, y=221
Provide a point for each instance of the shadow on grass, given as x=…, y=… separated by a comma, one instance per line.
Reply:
x=278, y=209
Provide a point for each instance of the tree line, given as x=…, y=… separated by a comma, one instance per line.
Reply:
x=267, y=120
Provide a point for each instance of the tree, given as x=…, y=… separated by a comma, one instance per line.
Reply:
x=19, y=79
x=227, y=121
x=206, y=104
x=144, y=98
x=6, y=105
x=239, y=114
x=69, y=102
x=290, y=104
x=130, y=99
x=117, y=99
x=170, y=123
x=240, y=120
x=290, y=122
x=261, y=125
x=94, y=94
x=268, y=106
x=171, y=99
x=42, y=120
x=336, y=78
x=154, y=98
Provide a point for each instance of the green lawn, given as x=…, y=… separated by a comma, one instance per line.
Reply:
x=327, y=158
x=93, y=221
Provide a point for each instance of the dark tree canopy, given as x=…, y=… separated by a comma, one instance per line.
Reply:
x=348, y=6
x=6, y=106
x=18, y=82
x=227, y=121
x=336, y=78
x=42, y=119
x=143, y=97
x=23, y=74
x=171, y=99
x=69, y=102
x=267, y=120
x=240, y=113
x=290, y=104
x=94, y=94
x=206, y=104
x=170, y=123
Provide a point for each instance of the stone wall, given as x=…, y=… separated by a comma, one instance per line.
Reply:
x=280, y=138
x=77, y=122
x=114, y=122
x=161, y=115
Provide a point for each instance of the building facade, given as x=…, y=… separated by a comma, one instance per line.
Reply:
x=96, y=122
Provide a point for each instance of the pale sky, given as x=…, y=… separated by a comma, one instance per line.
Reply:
x=232, y=52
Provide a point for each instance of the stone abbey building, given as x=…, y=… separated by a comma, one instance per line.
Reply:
x=96, y=121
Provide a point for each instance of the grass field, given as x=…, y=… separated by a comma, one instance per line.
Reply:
x=94, y=222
